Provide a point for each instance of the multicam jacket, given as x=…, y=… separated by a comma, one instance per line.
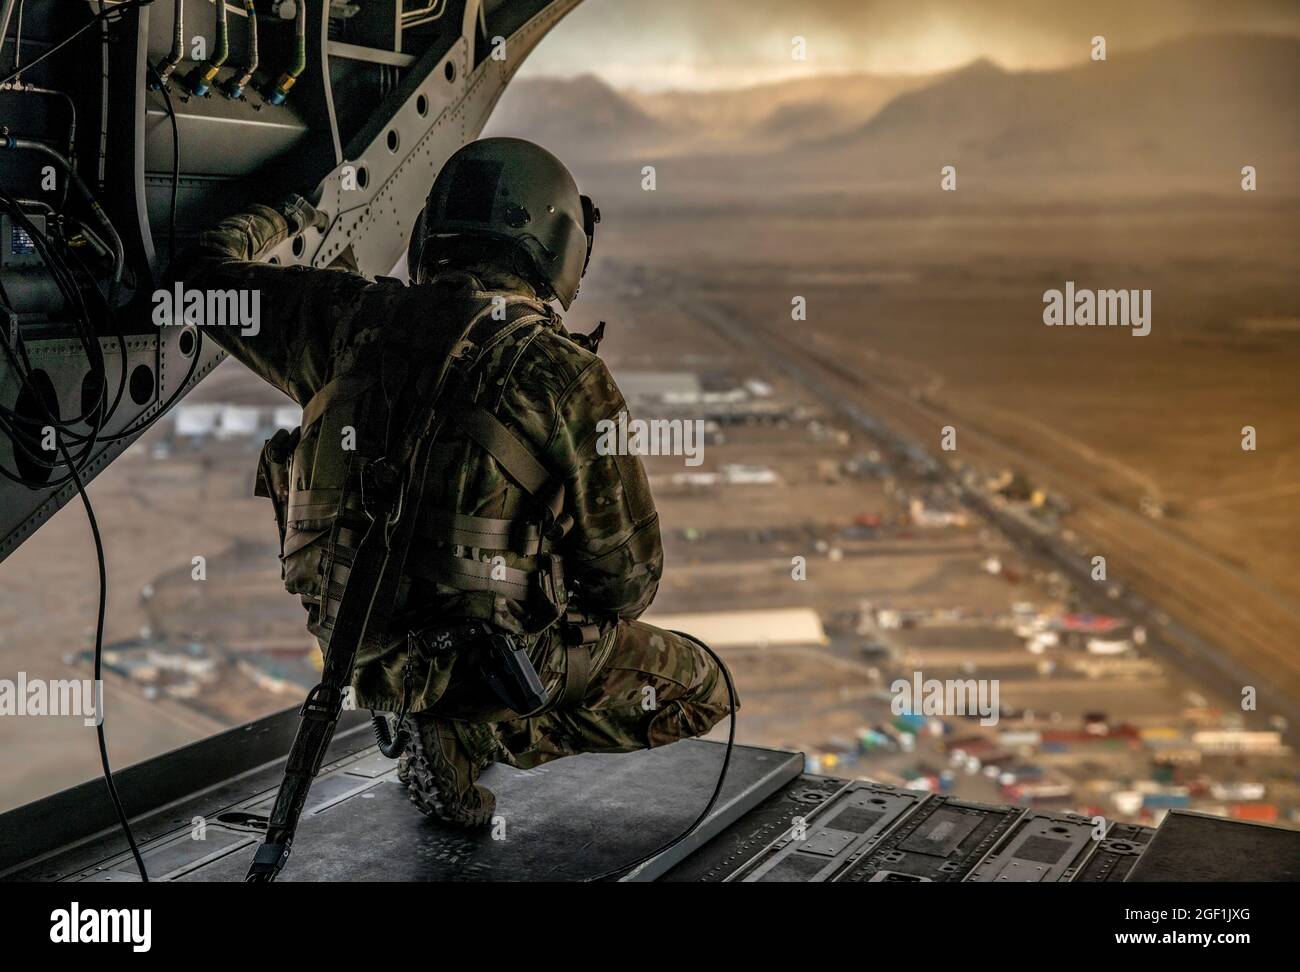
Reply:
x=320, y=328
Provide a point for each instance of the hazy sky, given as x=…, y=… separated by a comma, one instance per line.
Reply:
x=654, y=44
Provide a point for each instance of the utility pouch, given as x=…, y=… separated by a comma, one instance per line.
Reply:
x=273, y=475
x=499, y=661
x=549, y=596
x=508, y=672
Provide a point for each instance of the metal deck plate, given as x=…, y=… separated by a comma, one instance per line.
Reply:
x=943, y=840
x=834, y=835
x=737, y=846
x=1116, y=855
x=568, y=820
x=1191, y=846
x=1042, y=847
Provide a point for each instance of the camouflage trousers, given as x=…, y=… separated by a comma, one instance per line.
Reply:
x=647, y=687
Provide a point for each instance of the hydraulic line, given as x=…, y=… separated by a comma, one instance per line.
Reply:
x=114, y=241
x=429, y=8
x=18, y=36
x=424, y=15
x=201, y=78
x=6, y=11
x=176, y=171
x=169, y=64
x=23, y=86
x=36, y=204
x=280, y=90
x=235, y=84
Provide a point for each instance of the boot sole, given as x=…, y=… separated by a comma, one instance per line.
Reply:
x=424, y=793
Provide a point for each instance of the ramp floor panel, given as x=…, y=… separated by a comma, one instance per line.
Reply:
x=1190, y=846
x=578, y=817
x=564, y=821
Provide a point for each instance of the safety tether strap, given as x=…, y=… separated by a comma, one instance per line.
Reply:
x=577, y=673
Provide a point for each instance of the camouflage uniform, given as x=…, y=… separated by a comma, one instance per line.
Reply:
x=647, y=687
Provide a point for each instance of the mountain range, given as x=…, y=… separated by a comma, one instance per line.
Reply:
x=1186, y=115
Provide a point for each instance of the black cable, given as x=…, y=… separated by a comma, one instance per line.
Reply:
x=176, y=163
x=10, y=420
x=64, y=278
x=23, y=370
x=99, y=661
x=95, y=415
x=717, y=789
x=104, y=15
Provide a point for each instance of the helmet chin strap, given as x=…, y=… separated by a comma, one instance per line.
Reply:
x=415, y=252
x=590, y=217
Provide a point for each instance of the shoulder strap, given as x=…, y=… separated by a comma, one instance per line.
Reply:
x=520, y=312
x=512, y=455
x=340, y=389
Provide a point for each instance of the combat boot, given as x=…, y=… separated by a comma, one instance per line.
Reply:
x=441, y=772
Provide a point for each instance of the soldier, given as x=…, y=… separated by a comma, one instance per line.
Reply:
x=521, y=526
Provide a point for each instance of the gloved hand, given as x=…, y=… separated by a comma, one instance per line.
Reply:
x=300, y=214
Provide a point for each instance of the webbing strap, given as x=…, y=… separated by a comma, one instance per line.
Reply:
x=320, y=713
x=441, y=526
x=313, y=504
x=471, y=575
x=295, y=540
x=577, y=673
x=512, y=455
x=342, y=388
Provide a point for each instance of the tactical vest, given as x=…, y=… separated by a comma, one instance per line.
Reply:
x=313, y=474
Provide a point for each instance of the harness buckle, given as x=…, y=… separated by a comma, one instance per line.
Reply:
x=323, y=703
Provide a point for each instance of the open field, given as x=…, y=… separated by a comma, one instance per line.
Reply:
x=935, y=320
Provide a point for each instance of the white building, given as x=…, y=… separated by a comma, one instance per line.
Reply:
x=660, y=387
x=286, y=417
x=238, y=421
x=198, y=420
x=784, y=627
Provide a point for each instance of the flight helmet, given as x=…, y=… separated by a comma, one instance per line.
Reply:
x=517, y=200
